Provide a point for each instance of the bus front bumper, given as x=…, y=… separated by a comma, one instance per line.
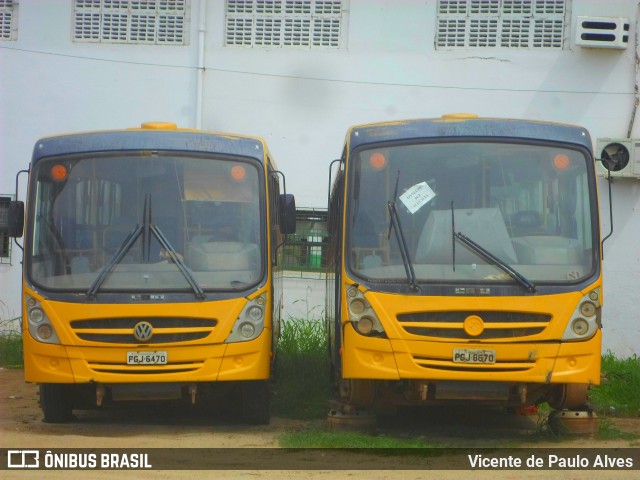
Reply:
x=45, y=363
x=399, y=359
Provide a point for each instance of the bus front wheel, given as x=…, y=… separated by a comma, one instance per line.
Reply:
x=569, y=396
x=56, y=402
x=357, y=392
x=256, y=402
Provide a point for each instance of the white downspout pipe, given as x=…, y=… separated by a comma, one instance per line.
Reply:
x=202, y=28
x=636, y=72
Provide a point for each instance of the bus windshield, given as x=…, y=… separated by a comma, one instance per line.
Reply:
x=431, y=212
x=153, y=221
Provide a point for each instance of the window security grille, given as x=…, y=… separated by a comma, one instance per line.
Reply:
x=500, y=23
x=8, y=20
x=153, y=22
x=5, y=240
x=285, y=23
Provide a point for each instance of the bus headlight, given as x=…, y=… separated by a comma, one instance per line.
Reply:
x=585, y=320
x=580, y=326
x=365, y=326
x=588, y=309
x=361, y=314
x=40, y=327
x=247, y=330
x=250, y=323
x=44, y=331
x=36, y=315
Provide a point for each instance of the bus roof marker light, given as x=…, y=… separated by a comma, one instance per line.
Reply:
x=238, y=173
x=378, y=160
x=59, y=172
x=561, y=161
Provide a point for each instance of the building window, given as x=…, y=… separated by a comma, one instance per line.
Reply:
x=5, y=240
x=500, y=23
x=151, y=22
x=285, y=23
x=8, y=20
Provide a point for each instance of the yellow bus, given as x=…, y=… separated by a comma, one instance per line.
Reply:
x=465, y=264
x=151, y=267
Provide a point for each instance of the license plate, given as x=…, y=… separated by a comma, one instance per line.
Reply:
x=469, y=355
x=146, y=358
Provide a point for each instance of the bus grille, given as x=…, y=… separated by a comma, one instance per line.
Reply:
x=165, y=330
x=497, y=324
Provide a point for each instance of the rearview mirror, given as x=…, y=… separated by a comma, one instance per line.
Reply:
x=287, y=214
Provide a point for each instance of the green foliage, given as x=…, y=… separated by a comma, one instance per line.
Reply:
x=302, y=370
x=619, y=392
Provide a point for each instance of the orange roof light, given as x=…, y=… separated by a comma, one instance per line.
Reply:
x=378, y=160
x=158, y=126
x=59, y=172
x=561, y=161
x=459, y=116
x=238, y=172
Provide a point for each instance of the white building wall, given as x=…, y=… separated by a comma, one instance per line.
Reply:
x=303, y=100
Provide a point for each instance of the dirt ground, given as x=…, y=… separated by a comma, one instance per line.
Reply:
x=168, y=427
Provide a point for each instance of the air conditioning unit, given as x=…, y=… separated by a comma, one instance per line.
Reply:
x=603, y=32
x=622, y=153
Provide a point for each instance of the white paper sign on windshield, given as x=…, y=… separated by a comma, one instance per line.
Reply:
x=417, y=196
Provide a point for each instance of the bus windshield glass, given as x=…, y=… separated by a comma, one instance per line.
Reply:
x=527, y=205
x=152, y=221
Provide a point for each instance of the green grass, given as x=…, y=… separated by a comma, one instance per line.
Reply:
x=302, y=370
x=607, y=431
x=11, y=343
x=327, y=439
x=619, y=393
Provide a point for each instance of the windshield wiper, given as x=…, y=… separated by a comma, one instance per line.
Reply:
x=394, y=222
x=491, y=258
x=146, y=229
x=197, y=289
x=117, y=257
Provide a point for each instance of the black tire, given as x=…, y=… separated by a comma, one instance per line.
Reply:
x=56, y=402
x=256, y=402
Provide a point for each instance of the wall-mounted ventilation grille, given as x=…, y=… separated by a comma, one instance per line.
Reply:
x=285, y=23
x=500, y=23
x=8, y=20
x=602, y=32
x=154, y=22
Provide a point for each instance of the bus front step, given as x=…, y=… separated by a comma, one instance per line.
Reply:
x=145, y=391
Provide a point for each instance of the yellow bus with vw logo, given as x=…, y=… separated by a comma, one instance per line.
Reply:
x=151, y=267
x=465, y=264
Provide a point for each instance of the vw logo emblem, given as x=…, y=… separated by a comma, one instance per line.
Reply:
x=143, y=331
